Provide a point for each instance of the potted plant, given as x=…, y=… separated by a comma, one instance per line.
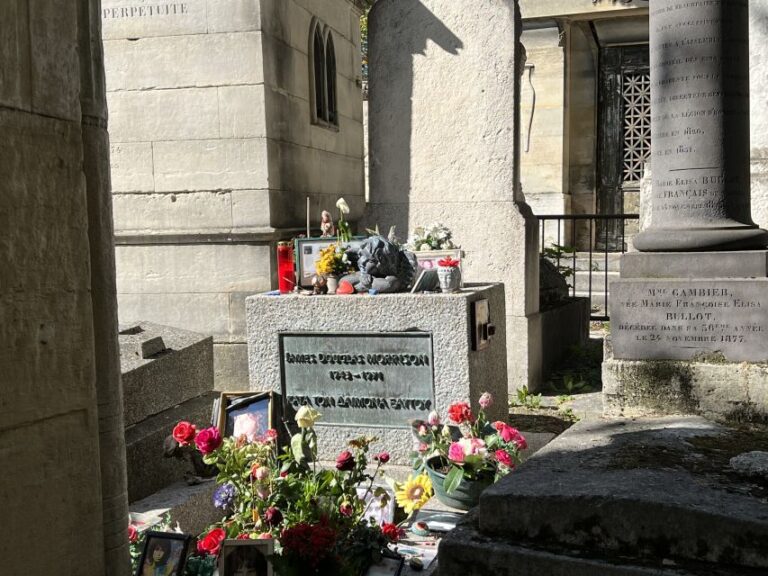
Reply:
x=449, y=274
x=465, y=458
x=332, y=264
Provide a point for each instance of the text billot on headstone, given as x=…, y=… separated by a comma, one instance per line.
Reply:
x=369, y=379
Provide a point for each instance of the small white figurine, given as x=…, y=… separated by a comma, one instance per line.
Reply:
x=326, y=225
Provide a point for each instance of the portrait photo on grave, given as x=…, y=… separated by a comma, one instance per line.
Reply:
x=387, y=566
x=165, y=554
x=244, y=413
x=246, y=557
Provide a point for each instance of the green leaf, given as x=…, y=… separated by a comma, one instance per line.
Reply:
x=297, y=448
x=453, y=479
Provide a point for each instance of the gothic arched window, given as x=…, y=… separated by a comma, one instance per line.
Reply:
x=325, y=104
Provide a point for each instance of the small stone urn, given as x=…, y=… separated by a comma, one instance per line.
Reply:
x=332, y=281
x=449, y=275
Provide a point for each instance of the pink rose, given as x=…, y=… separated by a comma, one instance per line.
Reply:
x=208, y=440
x=456, y=452
x=270, y=436
x=433, y=419
x=133, y=534
x=510, y=434
x=504, y=458
x=345, y=461
x=382, y=457
x=486, y=400
x=265, y=536
x=422, y=447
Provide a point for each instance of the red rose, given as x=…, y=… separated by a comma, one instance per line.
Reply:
x=460, y=412
x=211, y=542
x=448, y=262
x=345, y=461
x=273, y=516
x=184, y=433
x=208, y=440
x=391, y=531
x=243, y=536
x=382, y=457
x=133, y=534
x=345, y=508
x=504, y=458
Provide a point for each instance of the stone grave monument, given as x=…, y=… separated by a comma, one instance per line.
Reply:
x=371, y=364
x=660, y=496
x=693, y=301
x=167, y=376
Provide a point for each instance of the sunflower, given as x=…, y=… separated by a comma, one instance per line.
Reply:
x=414, y=493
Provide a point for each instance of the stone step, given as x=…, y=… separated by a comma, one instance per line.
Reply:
x=180, y=369
x=191, y=506
x=148, y=469
x=465, y=551
x=640, y=494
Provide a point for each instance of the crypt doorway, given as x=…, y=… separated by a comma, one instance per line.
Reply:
x=623, y=138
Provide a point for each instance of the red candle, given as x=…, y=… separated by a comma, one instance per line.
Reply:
x=286, y=277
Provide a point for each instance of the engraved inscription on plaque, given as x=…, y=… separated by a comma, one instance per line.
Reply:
x=696, y=89
x=681, y=320
x=369, y=379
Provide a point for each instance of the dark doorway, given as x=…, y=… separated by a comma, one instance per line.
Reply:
x=624, y=137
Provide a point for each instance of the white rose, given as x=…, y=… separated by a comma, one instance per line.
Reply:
x=306, y=417
x=342, y=205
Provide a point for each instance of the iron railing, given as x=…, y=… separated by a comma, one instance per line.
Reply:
x=604, y=235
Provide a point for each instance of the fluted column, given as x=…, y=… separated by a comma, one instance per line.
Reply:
x=700, y=128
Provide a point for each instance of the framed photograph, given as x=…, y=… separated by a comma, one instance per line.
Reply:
x=165, y=553
x=246, y=557
x=428, y=260
x=248, y=413
x=389, y=566
x=307, y=252
x=427, y=281
x=376, y=507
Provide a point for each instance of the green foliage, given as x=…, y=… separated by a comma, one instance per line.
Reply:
x=580, y=371
x=526, y=399
x=561, y=257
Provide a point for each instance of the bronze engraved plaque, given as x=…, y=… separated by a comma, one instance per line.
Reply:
x=367, y=379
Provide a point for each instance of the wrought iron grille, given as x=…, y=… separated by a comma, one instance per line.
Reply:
x=636, y=94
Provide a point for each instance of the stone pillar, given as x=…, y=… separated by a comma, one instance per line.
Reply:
x=700, y=99
x=444, y=133
x=109, y=394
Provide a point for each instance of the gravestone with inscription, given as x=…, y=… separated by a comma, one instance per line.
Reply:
x=372, y=364
x=694, y=300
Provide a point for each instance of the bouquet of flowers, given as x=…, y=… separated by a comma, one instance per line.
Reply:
x=433, y=237
x=332, y=261
x=472, y=448
x=316, y=516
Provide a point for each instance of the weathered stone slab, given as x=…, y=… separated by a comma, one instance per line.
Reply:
x=190, y=506
x=148, y=469
x=744, y=264
x=165, y=378
x=608, y=490
x=724, y=392
x=460, y=373
x=686, y=319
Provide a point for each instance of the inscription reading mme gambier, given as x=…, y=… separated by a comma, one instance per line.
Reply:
x=675, y=319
